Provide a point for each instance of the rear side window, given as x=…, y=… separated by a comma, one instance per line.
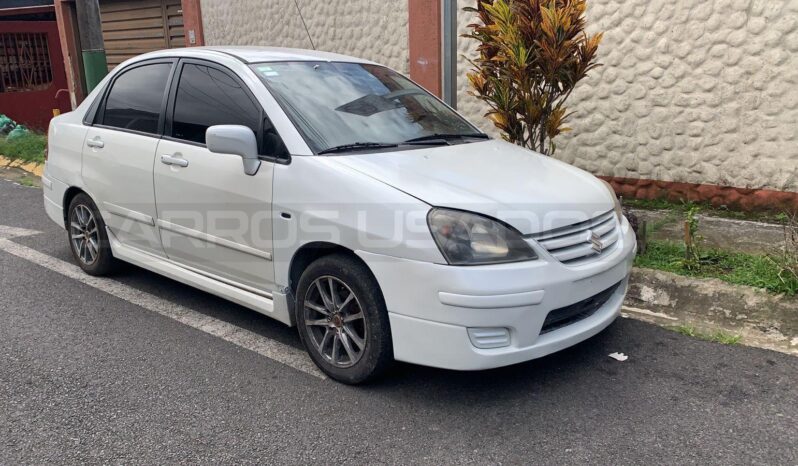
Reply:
x=208, y=97
x=135, y=100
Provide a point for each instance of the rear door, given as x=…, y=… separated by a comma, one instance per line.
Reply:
x=212, y=216
x=119, y=152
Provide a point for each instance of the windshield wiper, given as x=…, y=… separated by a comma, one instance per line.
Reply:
x=444, y=137
x=357, y=146
x=430, y=139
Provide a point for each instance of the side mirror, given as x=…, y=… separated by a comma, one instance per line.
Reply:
x=234, y=139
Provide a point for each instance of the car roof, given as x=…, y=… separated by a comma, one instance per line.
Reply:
x=257, y=54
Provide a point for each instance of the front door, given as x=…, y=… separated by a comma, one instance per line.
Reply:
x=119, y=152
x=212, y=216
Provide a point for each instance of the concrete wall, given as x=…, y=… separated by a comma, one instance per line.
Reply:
x=695, y=91
x=375, y=30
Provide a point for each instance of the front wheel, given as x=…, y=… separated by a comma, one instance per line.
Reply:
x=342, y=319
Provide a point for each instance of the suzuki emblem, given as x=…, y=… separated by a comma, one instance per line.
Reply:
x=595, y=241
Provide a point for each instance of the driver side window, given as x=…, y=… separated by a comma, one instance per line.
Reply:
x=134, y=102
x=206, y=97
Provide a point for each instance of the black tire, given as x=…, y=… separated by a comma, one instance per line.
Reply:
x=103, y=262
x=349, y=276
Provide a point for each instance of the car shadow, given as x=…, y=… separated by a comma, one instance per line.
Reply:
x=571, y=376
x=544, y=373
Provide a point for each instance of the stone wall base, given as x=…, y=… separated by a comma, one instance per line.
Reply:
x=744, y=199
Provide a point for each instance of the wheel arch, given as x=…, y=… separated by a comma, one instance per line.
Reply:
x=70, y=194
x=310, y=252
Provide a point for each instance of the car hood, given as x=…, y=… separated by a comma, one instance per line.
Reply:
x=524, y=189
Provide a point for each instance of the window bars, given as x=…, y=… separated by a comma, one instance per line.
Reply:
x=24, y=62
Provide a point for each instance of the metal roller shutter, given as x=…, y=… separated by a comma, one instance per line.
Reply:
x=133, y=27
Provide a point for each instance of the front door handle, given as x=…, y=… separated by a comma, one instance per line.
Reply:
x=96, y=142
x=169, y=160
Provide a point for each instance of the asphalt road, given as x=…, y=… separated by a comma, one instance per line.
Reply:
x=88, y=377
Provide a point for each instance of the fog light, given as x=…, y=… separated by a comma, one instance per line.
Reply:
x=489, y=337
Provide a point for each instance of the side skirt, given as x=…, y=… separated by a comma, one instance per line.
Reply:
x=275, y=306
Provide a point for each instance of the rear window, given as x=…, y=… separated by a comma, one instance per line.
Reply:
x=135, y=100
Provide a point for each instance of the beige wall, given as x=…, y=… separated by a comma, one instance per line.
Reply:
x=375, y=30
x=697, y=91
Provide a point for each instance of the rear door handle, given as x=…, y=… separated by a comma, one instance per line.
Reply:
x=96, y=142
x=169, y=160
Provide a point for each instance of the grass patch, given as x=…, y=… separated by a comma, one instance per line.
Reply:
x=718, y=336
x=28, y=148
x=27, y=181
x=681, y=208
x=732, y=267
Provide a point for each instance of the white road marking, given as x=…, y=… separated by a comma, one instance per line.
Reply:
x=11, y=232
x=267, y=347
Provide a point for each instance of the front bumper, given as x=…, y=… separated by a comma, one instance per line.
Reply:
x=432, y=306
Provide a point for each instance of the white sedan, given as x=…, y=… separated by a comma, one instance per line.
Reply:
x=335, y=195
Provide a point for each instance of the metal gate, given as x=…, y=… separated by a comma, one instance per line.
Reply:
x=31, y=72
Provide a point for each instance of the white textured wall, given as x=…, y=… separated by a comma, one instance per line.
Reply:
x=375, y=30
x=469, y=106
x=698, y=91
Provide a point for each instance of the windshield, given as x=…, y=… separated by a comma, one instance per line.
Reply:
x=351, y=105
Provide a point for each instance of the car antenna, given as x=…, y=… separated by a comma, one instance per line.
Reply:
x=296, y=3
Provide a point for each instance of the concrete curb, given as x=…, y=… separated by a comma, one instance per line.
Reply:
x=32, y=168
x=762, y=319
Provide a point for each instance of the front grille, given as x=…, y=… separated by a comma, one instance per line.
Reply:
x=567, y=315
x=582, y=241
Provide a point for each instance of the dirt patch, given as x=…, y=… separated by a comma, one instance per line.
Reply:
x=20, y=176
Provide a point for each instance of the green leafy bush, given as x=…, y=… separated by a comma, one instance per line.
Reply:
x=532, y=53
x=692, y=259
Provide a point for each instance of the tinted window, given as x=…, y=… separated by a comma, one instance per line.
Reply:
x=207, y=97
x=135, y=99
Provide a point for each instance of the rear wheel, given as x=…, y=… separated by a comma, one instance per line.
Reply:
x=88, y=239
x=342, y=319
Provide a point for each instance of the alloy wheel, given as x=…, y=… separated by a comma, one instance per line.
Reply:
x=335, y=321
x=84, y=234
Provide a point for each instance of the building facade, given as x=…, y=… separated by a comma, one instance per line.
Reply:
x=32, y=79
x=696, y=99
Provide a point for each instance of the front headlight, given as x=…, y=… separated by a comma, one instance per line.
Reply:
x=618, y=208
x=470, y=239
